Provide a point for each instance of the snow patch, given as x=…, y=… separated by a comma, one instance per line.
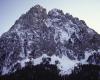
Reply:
x=87, y=54
x=66, y=65
x=39, y=59
x=22, y=62
x=64, y=36
x=5, y=70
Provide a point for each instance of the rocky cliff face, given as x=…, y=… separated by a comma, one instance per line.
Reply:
x=53, y=37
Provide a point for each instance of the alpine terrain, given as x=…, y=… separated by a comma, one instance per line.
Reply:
x=50, y=42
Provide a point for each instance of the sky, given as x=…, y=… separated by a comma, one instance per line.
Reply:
x=88, y=10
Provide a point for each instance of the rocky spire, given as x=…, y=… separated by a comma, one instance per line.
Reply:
x=55, y=34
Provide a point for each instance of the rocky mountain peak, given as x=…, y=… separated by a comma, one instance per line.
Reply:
x=31, y=19
x=55, y=12
x=55, y=36
x=37, y=9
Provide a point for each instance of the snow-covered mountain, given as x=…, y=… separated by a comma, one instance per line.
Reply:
x=49, y=38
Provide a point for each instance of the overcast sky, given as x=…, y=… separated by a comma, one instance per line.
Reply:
x=88, y=10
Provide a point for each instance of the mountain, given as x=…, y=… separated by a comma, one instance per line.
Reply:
x=51, y=38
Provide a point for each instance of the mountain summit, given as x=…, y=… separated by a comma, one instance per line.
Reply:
x=49, y=38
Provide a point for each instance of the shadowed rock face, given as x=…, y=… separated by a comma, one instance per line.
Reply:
x=54, y=33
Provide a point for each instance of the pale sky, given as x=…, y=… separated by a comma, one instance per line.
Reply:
x=88, y=10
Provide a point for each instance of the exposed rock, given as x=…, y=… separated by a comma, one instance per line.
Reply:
x=54, y=33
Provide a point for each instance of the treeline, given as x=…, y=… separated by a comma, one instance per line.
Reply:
x=50, y=72
x=84, y=72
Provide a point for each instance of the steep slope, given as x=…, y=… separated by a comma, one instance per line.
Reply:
x=54, y=37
